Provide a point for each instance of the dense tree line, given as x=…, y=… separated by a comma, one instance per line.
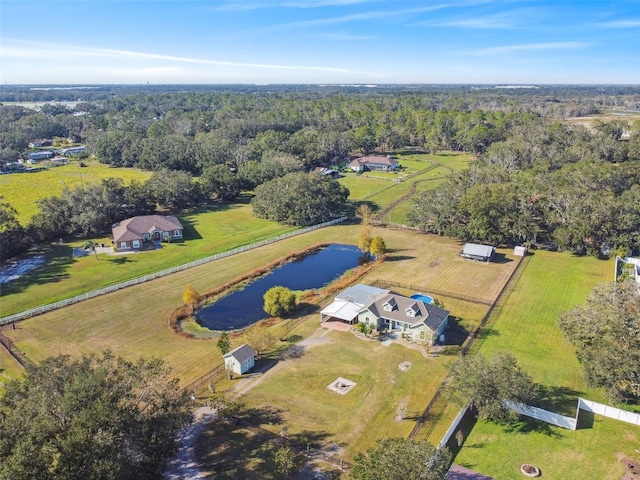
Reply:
x=606, y=335
x=535, y=178
x=546, y=181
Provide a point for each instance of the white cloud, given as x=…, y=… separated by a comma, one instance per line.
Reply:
x=244, y=6
x=631, y=23
x=371, y=15
x=345, y=36
x=68, y=53
x=506, y=49
x=498, y=21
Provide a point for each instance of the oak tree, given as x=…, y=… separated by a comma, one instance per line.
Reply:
x=100, y=416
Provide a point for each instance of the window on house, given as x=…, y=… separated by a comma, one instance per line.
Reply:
x=176, y=233
x=123, y=244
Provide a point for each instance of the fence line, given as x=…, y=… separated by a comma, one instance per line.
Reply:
x=163, y=273
x=469, y=342
x=427, y=290
x=543, y=415
x=206, y=378
x=570, y=422
x=453, y=426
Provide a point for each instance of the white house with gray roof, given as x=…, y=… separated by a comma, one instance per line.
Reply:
x=240, y=360
x=415, y=319
x=385, y=310
x=349, y=302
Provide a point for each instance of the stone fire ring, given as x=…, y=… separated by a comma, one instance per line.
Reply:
x=529, y=470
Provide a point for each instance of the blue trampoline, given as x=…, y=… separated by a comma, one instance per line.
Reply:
x=423, y=298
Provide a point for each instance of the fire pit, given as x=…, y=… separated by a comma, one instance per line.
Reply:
x=529, y=470
x=341, y=385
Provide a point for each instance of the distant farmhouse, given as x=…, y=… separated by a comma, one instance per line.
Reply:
x=132, y=233
x=43, y=142
x=475, y=251
x=40, y=155
x=384, y=310
x=71, y=151
x=374, y=163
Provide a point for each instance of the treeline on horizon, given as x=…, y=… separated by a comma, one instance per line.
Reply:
x=537, y=177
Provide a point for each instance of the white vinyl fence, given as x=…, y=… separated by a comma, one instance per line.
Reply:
x=163, y=273
x=453, y=426
x=544, y=415
x=555, y=418
x=608, y=411
x=572, y=423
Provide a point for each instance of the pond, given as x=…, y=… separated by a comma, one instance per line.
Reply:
x=244, y=307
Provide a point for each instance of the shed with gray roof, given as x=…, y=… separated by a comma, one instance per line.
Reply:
x=241, y=359
x=476, y=251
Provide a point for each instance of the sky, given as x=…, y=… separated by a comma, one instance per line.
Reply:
x=509, y=42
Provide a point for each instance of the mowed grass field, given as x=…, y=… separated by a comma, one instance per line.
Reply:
x=382, y=189
x=525, y=324
x=133, y=321
x=65, y=275
x=23, y=190
x=9, y=369
x=311, y=413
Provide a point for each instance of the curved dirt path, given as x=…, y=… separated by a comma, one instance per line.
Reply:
x=184, y=466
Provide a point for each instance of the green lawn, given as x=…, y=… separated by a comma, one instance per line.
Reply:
x=525, y=324
x=64, y=276
x=9, y=368
x=314, y=414
x=23, y=190
x=590, y=453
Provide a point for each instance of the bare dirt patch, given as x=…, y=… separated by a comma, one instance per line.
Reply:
x=404, y=366
x=631, y=469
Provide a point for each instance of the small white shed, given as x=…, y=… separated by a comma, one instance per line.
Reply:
x=241, y=359
x=520, y=251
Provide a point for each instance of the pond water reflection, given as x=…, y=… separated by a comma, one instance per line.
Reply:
x=244, y=307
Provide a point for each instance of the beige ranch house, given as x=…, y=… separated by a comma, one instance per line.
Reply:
x=388, y=311
x=132, y=233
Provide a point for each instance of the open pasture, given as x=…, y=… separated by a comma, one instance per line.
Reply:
x=311, y=413
x=593, y=452
x=64, y=275
x=23, y=190
x=133, y=321
x=525, y=324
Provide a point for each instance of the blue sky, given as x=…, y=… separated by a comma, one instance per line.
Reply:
x=319, y=41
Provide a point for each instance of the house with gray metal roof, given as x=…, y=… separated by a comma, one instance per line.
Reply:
x=385, y=310
x=350, y=301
